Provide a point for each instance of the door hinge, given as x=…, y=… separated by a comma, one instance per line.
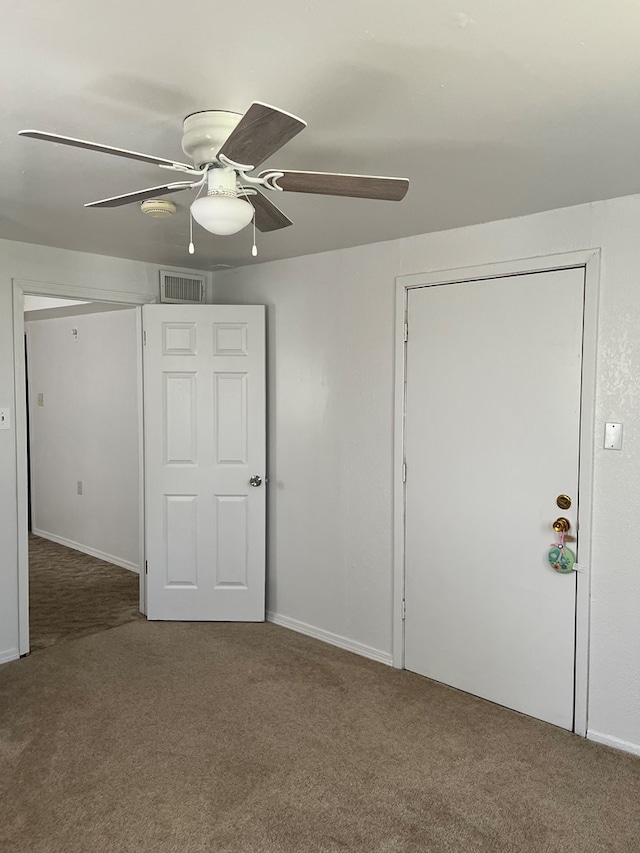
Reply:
x=144, y=338
x=406, y=332
x=404, y=472
x=146, y=567
x=404, y=609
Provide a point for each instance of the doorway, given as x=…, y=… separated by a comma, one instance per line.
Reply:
x=226, y=559
x=37, y=289
x=82, y=408
x=487, y=398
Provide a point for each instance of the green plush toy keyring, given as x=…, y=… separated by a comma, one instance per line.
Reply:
x=561, y=558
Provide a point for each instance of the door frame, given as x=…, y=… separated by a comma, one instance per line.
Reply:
x=589, y=260
x=22, y=287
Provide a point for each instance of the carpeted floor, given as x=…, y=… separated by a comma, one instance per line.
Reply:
x=232, y=738
x=72, y=595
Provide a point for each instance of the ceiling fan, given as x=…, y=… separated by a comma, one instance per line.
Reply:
x=224, y=147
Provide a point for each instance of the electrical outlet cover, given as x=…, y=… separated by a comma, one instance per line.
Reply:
x=613, y=436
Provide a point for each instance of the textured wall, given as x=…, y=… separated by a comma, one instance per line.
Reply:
x=331, y=327
x=331, y=322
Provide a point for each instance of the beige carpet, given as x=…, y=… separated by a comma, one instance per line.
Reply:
x=221, y=738
x=72, y=595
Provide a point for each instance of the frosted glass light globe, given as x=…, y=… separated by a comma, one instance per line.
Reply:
x=221, y=214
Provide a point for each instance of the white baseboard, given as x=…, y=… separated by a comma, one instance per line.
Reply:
x=85, y=549
x=616, y=743
x=9, y=655
x=329, y=637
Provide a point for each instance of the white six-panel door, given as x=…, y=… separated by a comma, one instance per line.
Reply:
x=204, y=413
x=492, y=439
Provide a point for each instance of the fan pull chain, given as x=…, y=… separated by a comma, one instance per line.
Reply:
x=192, y=248
x=254, y=248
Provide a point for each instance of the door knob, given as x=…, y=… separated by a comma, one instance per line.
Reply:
x=561, y=525
x=255, y=480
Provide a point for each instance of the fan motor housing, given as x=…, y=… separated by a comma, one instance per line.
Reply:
x=205, y=132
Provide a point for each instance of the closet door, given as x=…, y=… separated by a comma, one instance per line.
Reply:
x=493, y=397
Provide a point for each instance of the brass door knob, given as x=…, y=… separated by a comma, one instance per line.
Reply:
x=561, y=525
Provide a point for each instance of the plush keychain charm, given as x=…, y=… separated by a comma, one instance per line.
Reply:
x=561, y=558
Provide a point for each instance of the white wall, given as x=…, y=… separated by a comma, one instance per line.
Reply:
x=331, y=323
x=331, y=361
x=41, y=264
x=86, y=430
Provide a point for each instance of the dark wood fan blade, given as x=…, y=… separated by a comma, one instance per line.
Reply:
x=268, y=216
x=261, y=131
x=141, y=195
x=105, y=149
x=354, y=186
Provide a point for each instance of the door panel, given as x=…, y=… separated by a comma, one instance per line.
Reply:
x=204, y=403
x=492, y=438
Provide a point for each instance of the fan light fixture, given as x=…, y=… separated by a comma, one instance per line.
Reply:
x=221, y=211
x=223, y=148
x=222, y=214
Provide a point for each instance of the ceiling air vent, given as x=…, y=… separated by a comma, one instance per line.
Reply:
x=181, y=287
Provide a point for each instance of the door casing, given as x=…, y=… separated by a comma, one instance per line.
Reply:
x=588, y=259
x=38, y=288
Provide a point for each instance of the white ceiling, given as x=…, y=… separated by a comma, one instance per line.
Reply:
x=48, y=307
x=492, y=109
x=42, y=303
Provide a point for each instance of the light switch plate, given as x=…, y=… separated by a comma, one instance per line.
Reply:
x=5, y=417
x=613, y=436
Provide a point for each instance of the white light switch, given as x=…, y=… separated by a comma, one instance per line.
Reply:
x=41, y=399
x=613, y=436
x=5, y=418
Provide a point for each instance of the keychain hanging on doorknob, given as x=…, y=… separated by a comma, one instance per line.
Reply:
x=561, y=558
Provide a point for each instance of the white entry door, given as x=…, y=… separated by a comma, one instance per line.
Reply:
x=204, y=416
x=492, y=442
